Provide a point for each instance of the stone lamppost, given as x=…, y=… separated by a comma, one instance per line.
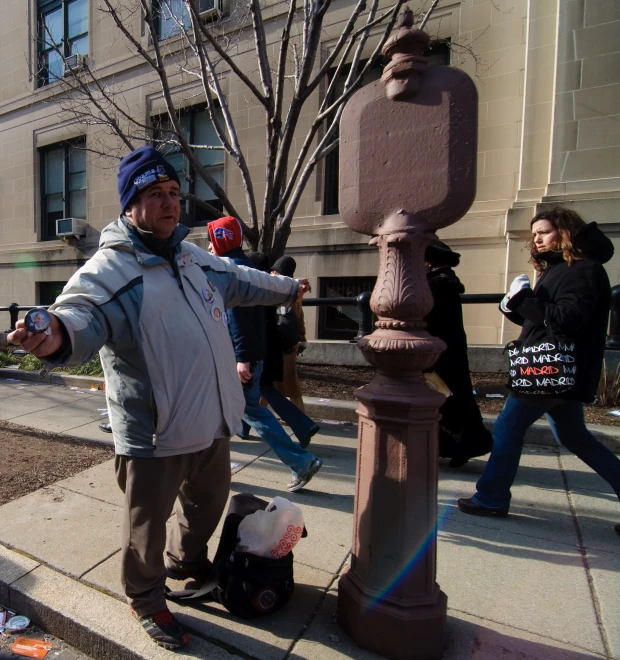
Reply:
x=407, y=168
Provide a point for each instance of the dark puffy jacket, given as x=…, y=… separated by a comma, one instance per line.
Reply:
x=246, y=325
x=575, y=302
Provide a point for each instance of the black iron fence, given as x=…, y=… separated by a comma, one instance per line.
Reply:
x=362, y=302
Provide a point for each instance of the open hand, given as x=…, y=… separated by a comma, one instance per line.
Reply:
x=304, y=287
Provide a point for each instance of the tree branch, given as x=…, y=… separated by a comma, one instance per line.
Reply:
x=234, y=150
x=158, y=64
x=233, y=67
x=260, y=41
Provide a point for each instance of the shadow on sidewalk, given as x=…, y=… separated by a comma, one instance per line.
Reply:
x=519, y=536
x=317, y=498
x=228, y=631
x=544, y=478
x=467, y=640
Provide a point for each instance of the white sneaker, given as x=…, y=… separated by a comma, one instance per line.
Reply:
x=299, y=482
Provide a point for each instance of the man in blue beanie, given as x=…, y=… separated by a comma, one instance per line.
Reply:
x=154, y=306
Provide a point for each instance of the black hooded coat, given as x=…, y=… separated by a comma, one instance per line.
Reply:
x=574, y=300
x=462, y=433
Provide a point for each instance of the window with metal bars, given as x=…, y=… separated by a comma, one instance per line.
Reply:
x=341, y=321
x=62, y=32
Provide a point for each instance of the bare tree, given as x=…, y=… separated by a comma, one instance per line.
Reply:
x=202, y=51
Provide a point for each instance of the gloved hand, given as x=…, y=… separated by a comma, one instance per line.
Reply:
x=520, y=282
x=301, y=347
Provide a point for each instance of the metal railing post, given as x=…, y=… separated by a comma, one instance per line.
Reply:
x=14, y=312
x=613, y=338
x=365, y=322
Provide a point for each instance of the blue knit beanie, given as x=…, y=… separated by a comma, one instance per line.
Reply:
x=140, y=169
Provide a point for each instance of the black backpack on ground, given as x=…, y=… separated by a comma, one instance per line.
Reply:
x=247, y=585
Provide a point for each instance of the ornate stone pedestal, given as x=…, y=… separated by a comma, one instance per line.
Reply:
x=389, y=601
x=407, y=168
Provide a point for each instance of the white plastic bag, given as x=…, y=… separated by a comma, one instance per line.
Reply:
x=273, y=532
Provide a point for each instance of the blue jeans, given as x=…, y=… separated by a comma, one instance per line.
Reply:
x=300, y=423
x=568, y=426
x=263, y=421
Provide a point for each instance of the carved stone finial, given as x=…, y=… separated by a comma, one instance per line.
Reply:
x=406, y=18
x=404, y=49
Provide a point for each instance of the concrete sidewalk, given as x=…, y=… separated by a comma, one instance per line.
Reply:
x=542, y=584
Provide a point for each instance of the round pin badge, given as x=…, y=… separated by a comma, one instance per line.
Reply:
x=208, y=296
x=216, y=313
x=17, y=623
x=225, y=319
x=37, y=320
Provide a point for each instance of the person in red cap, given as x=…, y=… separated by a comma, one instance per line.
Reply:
x=247, y=330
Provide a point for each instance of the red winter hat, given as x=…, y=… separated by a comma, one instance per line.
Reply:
x=225, y=235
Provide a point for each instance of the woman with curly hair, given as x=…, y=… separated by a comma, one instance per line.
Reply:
x=572, y=296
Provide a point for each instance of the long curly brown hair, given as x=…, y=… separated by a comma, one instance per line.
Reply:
x=568, y=223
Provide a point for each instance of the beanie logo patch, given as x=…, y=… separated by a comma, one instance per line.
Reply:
x=151, y=176
x=222, y=232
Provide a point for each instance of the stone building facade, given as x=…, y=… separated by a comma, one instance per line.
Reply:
x=548, y=77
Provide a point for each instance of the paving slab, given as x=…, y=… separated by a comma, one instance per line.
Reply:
x=337, y=476
x=606, y=587
x=534, y=513
x=597, y=516
x=513, y=580
x=98, y=482
x=474, y=638
x=8, y=390
x=66, y=530
x=61, y=418
x=13, y=566
x=269, y=637
x=92, y=621
x=107, y=574
x=244, y=452
x=580, y=477
x=467, y=638
x=90, y=430
x=32, y=401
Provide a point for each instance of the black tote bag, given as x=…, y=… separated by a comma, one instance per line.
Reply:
x=547, y=366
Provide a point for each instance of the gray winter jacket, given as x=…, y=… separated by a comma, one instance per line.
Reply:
x=168, y=360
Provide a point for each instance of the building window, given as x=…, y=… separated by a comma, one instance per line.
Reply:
x=63, y=185
x=341, y=321
x=330, y=197
x=438, y=52
x=63, y=31
x=197, y=129
x=49, y=291
x=170, y=15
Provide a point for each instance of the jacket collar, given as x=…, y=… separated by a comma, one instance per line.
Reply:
x=150, y=251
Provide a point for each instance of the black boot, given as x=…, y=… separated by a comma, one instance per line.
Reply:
x=106, y=428
x=467, y=505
